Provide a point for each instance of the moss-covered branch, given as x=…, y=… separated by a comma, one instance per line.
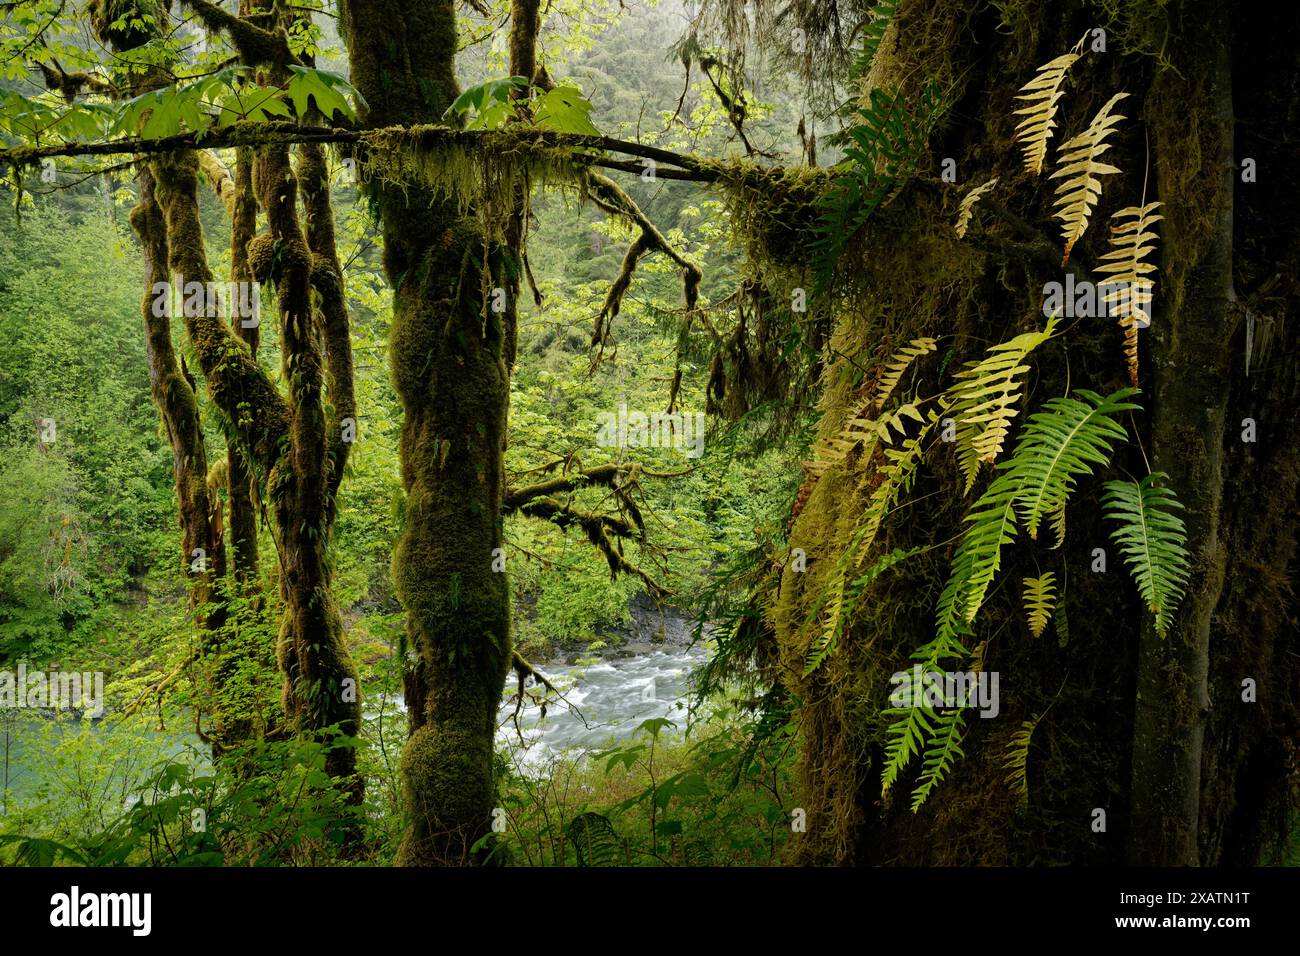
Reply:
x=607, y=475
x=255, y=45
x=219, y=178
x=428, y=136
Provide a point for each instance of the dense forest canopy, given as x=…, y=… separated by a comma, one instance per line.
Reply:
x=380, y=380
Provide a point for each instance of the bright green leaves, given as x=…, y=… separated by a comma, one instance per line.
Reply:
x=34, y=120
x=492, y=104
x=227, y=96
x=322, y=89
x=564, y=110
x=1152, y=540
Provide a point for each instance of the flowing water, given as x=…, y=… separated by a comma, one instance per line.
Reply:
x=606, y=702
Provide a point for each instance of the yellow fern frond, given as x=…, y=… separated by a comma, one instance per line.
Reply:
x=863, y=424
x=1056, y=521
x=984, y=400
x=1016, y=760
x=898, y=364
x=967, y=207
x=895, y=479
x=1131, y=242
x=1078, y=169
x=1042, y=94
x=1040, y=599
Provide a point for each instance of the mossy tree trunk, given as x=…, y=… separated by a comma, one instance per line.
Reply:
x=242, y=483
x=1153, y=731
x=202, y=556
x=290, y=443
x=447, y=351
x=1192, y=351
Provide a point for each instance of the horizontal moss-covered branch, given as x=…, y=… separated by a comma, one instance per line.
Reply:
x=534, y=141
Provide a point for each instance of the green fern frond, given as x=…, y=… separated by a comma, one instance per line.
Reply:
x=1078, y=170
x=904, y=740
x=1152, y=540
x=991, y=524
x=1060, y=444
x=881, y=14
x=1056, y=447
x=876, y=22
x=887, y=145
x=1016, y=760
x=594, y=840
x=942, y=751
x=1040, y=598
x=845, y=601
x=984, y=399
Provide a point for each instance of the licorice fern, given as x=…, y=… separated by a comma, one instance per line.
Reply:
x=1152, y=540
x=1078, y=169
x=1016, y=760
x=1055, y=447
x=1060, y=444
x=877, y=22
x=1131, y=241
x=1040, y=599
x=984, y=400
x=839, y=596
x=887, y=145
x=899, y=363
x=844, y=601
x=862, y=425
x=941, y=752
x=967, y=207
x=881, y=14
x=1042, y=94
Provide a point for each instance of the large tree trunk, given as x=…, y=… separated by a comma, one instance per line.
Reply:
x=448, y=367
x=1190, y=398
x=173, y=394
x=1153, y=731
x=242, y=484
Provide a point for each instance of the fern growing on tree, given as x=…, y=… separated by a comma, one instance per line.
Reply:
x=1152, y=540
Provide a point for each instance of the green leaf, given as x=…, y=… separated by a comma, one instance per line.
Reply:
x=480, y=97
x=654, y=725
x=1152, y=540
x=322, y=86
x=564, y=110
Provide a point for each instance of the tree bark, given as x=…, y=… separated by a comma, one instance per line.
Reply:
x=1191, y=390
x=447, y=350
